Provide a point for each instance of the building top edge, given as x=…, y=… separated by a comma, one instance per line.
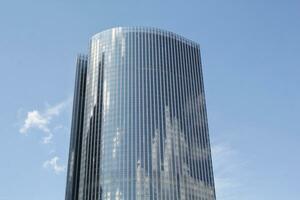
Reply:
x=145, y=29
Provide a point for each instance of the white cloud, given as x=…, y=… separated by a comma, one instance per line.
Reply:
x=54, y=165
x=41, y=120
x=35, y=120
x=56, y=109
x=48, y=139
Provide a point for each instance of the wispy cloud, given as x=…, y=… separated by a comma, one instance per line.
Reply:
x=54, y=165
x=44, y=121
x=35, y=119
x=41, y=120
x=227, y=167
x=47, y=139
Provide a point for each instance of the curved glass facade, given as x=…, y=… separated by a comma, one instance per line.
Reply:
x=145, y=132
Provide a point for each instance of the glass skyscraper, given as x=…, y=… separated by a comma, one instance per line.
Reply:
x=139, y=127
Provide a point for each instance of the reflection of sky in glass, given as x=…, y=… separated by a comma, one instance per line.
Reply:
x=154, y=136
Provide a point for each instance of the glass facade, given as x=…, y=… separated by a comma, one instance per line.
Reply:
x=145, y=132
x=72, y=188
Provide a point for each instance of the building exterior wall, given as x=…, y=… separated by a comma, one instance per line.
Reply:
x=73, y=175
x=145, y=132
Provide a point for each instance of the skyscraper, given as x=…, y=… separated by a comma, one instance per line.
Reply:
x=139, y=128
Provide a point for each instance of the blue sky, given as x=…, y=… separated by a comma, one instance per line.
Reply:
x=251, y=63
